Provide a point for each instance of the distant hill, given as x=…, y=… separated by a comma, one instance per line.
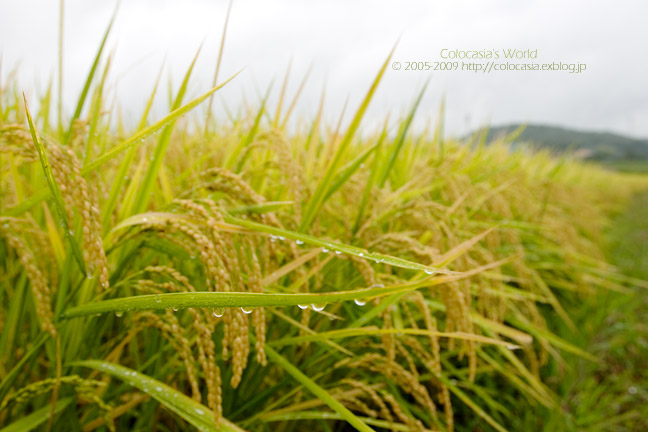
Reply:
x=599, y=146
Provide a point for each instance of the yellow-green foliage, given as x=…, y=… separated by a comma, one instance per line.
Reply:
x=511, y=241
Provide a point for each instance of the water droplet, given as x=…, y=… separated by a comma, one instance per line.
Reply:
x=324, y=250
x=299, y=242
x=199, y=411
x=157, y=299
x=512, y=347
x=175, y=309
x=246, y=310
x=428, y=271
x=119, y=314
x=89, y=275
x=281, y=238
x=303, y=306
x=338, y=252
x=218, y=312
x=360, y=302
x=144, y=219
x=71, y=232
x=272, y=238
x=318, y=307
x=361, y=254
x=378, y=285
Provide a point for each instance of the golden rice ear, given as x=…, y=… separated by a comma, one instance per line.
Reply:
x=81, y=201
x=40, y=284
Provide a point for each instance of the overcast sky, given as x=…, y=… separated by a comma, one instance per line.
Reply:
x=346, y=42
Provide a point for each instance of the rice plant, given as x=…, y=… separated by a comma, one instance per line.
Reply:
x=232, y=275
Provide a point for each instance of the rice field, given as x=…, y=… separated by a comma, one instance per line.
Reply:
x=232, y=274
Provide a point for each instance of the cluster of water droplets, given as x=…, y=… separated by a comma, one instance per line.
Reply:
x=332, y=247
x=274, y=238
x=318, y=307
x=218, y=312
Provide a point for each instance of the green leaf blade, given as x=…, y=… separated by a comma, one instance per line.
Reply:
x=193, y=412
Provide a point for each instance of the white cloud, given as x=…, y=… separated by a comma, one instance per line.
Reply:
x=346, y=42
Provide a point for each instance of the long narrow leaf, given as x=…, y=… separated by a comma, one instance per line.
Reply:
x=369, y=331
x=318, y=391
x=398, y=145
x=329, y=246
x=38, y=417
x=55, y=191
x=190, y=410
x=319, y=196
x=154, y=168
x=347, y=171
x=88, y=82
x=232, y=299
